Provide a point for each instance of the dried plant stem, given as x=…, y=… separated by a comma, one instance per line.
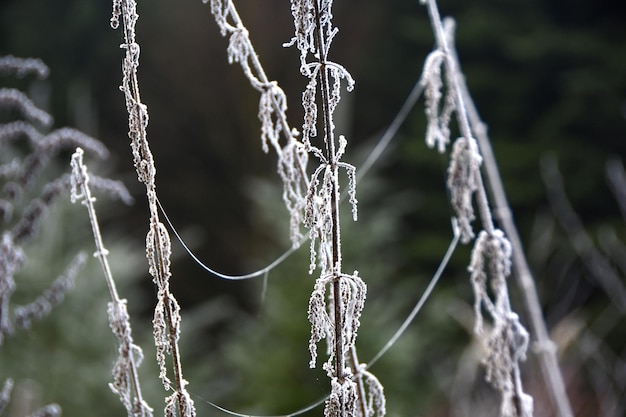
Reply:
x=334, y=316
x=167, y=312
x=507, y=341
x=469, y=118
x=126, y=367
x=356, y=370
x=331, y=157
x=544, y=347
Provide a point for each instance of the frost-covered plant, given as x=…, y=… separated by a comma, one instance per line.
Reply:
x=334, y=317
x=292, y=155
x=125, y=375
x=158, y=248
x=507, y=341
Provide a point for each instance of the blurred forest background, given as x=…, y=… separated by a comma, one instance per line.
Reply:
x=549, y=78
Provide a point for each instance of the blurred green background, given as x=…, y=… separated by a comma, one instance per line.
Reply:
x=549, y=78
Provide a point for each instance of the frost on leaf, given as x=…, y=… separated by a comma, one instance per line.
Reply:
x=270, y=118
x=353, y=293
x=490, y=265
x=318, y=218
x=186, y=407
x=239, y=50
x=319, y=208
x=158, y=251
x=337, y=73
x=220, y=12
x=115, y=14
x=376, y=402
x=303, y=13
x=463, y=181
x=292, y=162
x=438, y=116
x=506, y=341
x=129, y=358
x=309, y=127
x=352, y=297
x=321, y=324
x=170, y=406
x=161, y=340
x=342, y=400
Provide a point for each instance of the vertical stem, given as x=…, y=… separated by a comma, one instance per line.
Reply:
x=331, y=157
x=101, y=253
x=146, y=172
x=162, y=273
x=356, y=370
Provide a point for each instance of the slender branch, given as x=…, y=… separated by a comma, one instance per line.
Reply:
x=335, y=319
x=582, y=242
x=544, y=347
x=167, y=312
x=118, y=316
x=331, y=157
x=507, y=341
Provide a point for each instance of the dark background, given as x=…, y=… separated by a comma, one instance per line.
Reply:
x=549, y=78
